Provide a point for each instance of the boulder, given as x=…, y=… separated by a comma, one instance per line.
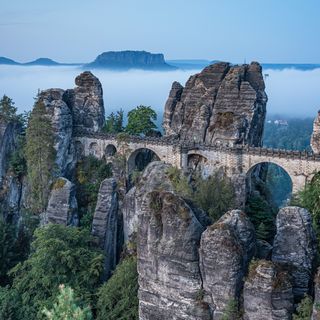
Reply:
x=267, y=293
x=62, y=206
x=225, y=250
x=315, y=137
x=223, y=104
x=294, y=247
x=107, y=224
x=86, y=103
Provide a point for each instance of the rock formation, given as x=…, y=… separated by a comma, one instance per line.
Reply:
x=62, y=206
x=267, y=293
x=225, y=251
x=107, y=224
x=62, y=124
x=222, y=104
x=168, y=261
x=295, y=247
x=315, y=137
x=130, y=60
x=10, y=186
x=86, y=103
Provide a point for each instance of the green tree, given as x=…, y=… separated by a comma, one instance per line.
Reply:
x=304, y=309
x=309, y=198
x=66, y=307
x=231, y=311
x=140, y=121
x=262, y=215
x=8, y=111
x=114, y=122
x=40, y=156
x=60, y=254
x=118, y=298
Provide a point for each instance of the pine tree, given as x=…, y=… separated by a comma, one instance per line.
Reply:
x=8, y=111
x=67, y=308
x=114, y=122
x=40, y=156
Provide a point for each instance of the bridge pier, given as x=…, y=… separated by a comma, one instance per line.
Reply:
x=184, y=159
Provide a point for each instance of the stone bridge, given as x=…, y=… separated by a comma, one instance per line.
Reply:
x=237, y=161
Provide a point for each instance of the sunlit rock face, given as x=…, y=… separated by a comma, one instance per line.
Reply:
x=315, y=137
x=223, y=104
x=294, y=247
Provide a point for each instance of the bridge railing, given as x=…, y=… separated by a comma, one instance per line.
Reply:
x=189, y=146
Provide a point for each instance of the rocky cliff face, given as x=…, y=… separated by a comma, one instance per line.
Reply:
x=107, y=224
x=316, y=302
x=130, y=60
x=62, y=124
x=10, y=186
x=222, y=104
x=62, y=205
x=267, y=293
x=295, y=247
x=315, y=137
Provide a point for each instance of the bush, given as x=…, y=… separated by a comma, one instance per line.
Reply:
x=118, y=298
x=304, y=309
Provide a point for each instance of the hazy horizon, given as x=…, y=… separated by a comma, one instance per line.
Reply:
x=291, y=92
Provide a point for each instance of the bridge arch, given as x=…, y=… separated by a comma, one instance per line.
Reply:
x=272, y=180
x=110, y=150
x=140, y=158
x=198, y=162
x=79, y=149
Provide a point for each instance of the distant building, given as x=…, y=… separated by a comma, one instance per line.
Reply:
x=281, y=122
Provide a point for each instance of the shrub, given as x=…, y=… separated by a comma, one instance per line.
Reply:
x=304, y=309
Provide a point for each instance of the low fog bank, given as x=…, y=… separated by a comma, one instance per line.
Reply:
x=291, y=92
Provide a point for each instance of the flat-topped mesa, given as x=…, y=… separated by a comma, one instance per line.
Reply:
x=223, y=104
x=86, y=103
x=315, y=137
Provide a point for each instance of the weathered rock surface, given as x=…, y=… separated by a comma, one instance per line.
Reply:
x=225, y=251
x=295, y=247
x=167, y=244
x=222, y=104
x=10, y=186
x=315, y=137
x=62, y=124
x=62, y=206
x=107, y=224
x=316, y=302
x=267, y=293
x=86, y=103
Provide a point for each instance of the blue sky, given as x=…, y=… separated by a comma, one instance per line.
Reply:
x=230, y=30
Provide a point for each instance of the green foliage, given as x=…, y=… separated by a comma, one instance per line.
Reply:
x=262, y=215
x=215, y=195
x=118, y=298
x=59, y=255
x=295, y=136
x=8, y=111
x=231, y=312
x=17, y=162
x=14, y=247
x=66, y=307
x=40, y=156
x=304, y=309
x=140, y=121
x=309, y=198
x=114, y=122
x=90, y=172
